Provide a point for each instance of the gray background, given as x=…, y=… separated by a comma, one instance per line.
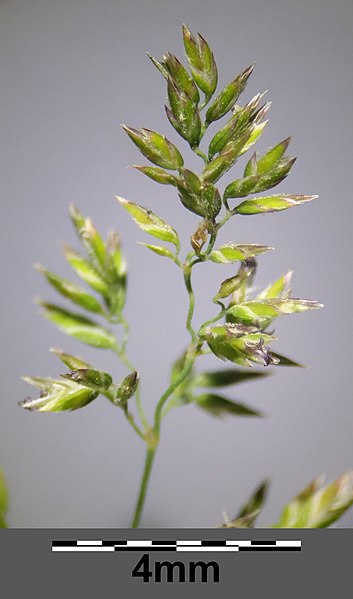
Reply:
x=72, y=71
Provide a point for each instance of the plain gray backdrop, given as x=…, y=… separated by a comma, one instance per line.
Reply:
x=71, y=72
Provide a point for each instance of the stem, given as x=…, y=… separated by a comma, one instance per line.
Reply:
x=124, y=359
x=188, y=285
x=203, y=130
x=167, y=408
x=153, y=440
x=213, y=237
x=201, y=154
x=130, y=419
x=177, y=261
x=212, y=241
x=203, y=257
x=124, y=322
x=150, y=455
x=121, y=353
x=220, y=315
x=152, y=435
x=111, y=396
x=226, y=218
x=140, y=409
x=191, y=355
x=205, y=102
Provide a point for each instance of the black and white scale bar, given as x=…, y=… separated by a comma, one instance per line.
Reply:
x=102, y=546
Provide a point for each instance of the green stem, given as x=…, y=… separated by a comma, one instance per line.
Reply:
x=213, y=238
x=188, y=285
x=152, y=435
x=140, y=409
x=188, y=258
x=177, y=261
x=153, y=440
x=167, y=408
x=220, y=315
x=124, y=359
x=204, y=128
x=226, y=218
x=203, y=257
x=201, y=154
x=111, y=396
x=124, y=322
x=131, y=420
x=150, y=455
x=205, y=102
x=189, y=362
x=212, y=241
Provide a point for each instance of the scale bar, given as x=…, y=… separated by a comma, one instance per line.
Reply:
x=183, y=545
